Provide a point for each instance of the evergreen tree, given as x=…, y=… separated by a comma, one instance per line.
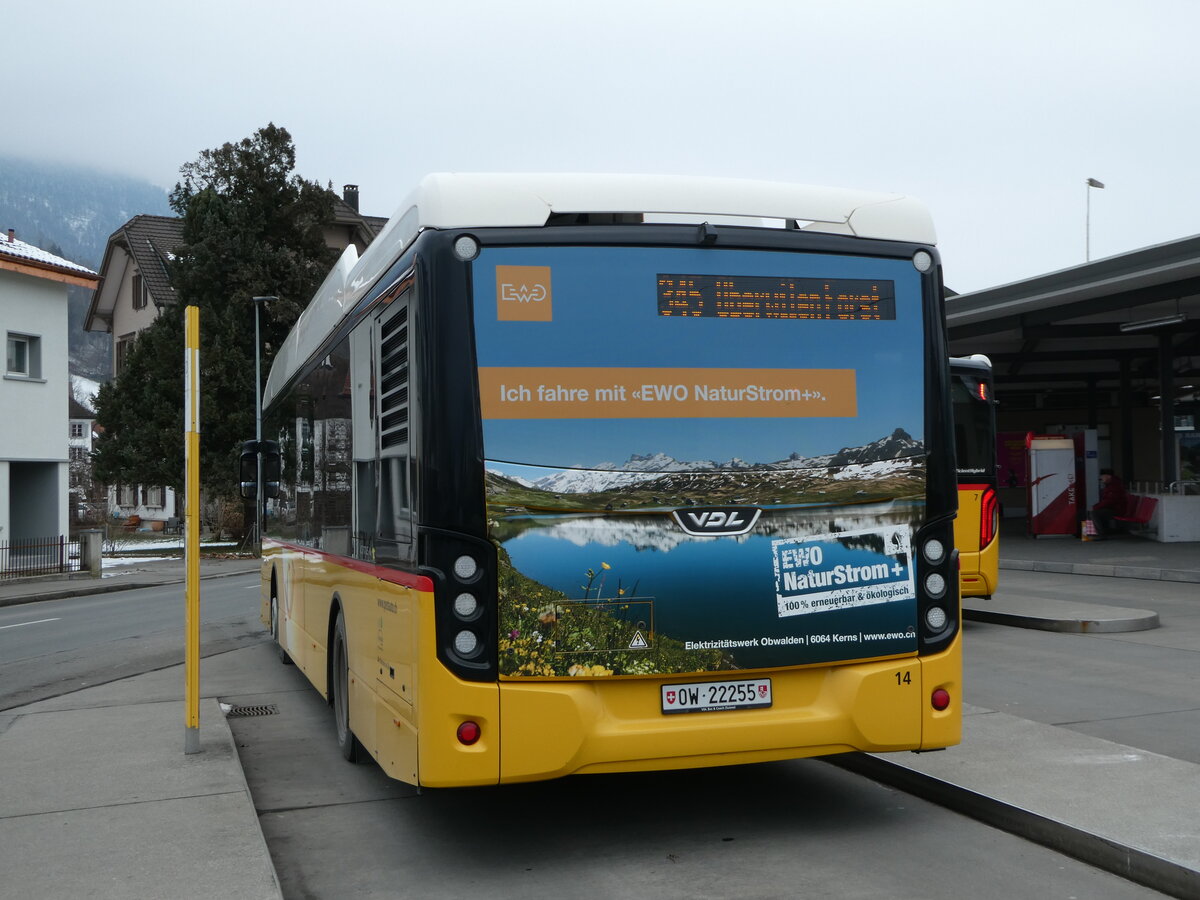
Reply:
x=141, y=411
x=250, y=228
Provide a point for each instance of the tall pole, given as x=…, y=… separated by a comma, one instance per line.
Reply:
x=1166, y=409
x=259, y=499
x=1087, y=239
x=258, y=485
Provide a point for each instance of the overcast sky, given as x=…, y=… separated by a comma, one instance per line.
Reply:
x=994, y=114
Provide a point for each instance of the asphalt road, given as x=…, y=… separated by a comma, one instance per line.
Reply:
x=54, y=647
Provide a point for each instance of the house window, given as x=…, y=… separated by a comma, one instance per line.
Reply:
x=121, y=352
x=128, y=495
x=76, y=430
x=152, y=496
x=79, y=454
x=24, y=355
x=139, y=292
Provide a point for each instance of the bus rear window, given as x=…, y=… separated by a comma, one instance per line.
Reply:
x=622, y=359
x=973, y=431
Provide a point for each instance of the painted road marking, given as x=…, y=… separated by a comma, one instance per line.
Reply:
x=35, y=622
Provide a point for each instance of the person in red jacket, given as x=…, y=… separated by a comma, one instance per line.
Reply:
x=1114, y=501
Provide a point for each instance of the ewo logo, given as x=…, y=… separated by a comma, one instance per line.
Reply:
x=717, y=520
x=523, y=294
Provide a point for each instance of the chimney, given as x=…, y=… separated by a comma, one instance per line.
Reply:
x=350, y=195
x=12, y=234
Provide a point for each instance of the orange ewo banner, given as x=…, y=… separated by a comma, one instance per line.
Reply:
x=531, y=392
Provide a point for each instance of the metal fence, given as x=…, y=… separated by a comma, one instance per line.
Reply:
x=39, y=556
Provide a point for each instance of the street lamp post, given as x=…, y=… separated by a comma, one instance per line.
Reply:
x=1087, y=246
x=258, y=481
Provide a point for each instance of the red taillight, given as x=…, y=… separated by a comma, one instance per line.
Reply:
x=468, y=733
x=940, y=699
x=989, y=516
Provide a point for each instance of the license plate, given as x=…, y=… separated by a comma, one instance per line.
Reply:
x=712, y=696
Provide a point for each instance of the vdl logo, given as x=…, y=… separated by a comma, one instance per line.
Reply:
x=523, y=294
x=713, y=521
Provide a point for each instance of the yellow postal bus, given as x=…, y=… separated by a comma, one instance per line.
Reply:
x=977, y=528
x=617, y=473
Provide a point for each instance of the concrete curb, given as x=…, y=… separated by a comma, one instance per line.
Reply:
x=1144, y=573
x=227, y=734
x=1138, y=866
x=87, y=590
x=1060, y=616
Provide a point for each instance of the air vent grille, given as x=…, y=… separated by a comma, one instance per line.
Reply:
x=393, y=368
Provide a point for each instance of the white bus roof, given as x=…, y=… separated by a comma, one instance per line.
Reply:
x=498, y=200
x=473, y=200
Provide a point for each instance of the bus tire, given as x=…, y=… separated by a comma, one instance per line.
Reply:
x=279, y=651
x=340, y=692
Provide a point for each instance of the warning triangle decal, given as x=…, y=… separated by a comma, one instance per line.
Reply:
x=638, y=642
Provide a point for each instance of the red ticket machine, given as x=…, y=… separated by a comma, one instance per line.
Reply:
x=1053, y=494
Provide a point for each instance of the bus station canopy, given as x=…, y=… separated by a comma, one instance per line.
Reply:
x=1122, y=331
x=1084, y=325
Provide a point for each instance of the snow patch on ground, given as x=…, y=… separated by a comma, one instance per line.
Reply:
x=111, y=562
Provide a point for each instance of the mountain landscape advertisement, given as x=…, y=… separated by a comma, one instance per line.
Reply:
x=892, y=466
x=597, y=578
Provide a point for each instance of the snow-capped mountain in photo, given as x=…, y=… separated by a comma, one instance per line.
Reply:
x=516, y=479
x=871, y=460
x=897, y=445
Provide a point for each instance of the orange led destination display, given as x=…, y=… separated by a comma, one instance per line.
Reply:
x=760, y=297
x=533, y=392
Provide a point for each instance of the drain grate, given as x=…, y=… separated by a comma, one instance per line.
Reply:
x=245, y=712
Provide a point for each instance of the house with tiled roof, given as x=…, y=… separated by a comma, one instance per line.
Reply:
x=135, y=279
x=135, y=283
x=34, y=395
x=135, y=286
x=349, y=225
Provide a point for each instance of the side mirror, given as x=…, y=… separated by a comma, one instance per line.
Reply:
x=248, y=475
x=248, y=486
x=270, y=468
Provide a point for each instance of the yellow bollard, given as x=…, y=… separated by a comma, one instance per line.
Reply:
x=191, y=741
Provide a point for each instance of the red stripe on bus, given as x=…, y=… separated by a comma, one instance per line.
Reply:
x=420, y=582
x=973, y=487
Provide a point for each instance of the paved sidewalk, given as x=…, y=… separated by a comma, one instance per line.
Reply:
x=99, y=799
x=103, y=802
x=1121, y=556
x=1119, y=808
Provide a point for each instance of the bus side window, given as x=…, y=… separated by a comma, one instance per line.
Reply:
x=365, y=441
x=394, y=506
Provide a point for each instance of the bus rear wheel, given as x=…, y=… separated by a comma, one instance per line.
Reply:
x=347, y=742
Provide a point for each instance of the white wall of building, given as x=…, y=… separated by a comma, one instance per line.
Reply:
x=34, y=409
